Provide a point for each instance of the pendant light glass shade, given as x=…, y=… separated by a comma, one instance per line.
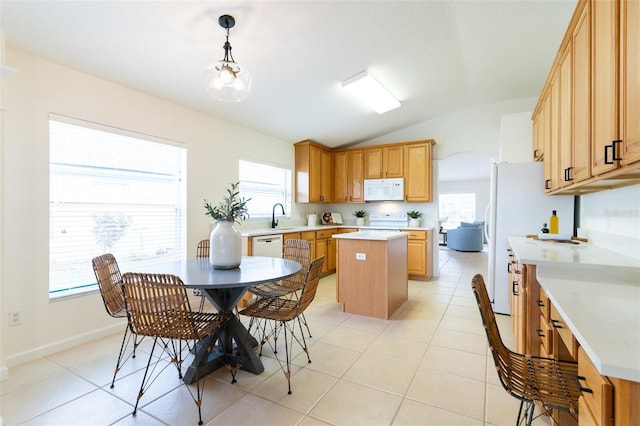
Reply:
x=226, y=80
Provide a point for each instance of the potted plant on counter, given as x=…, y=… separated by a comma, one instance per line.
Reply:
x=414, y=218
x=360, y=214
x=225, y=241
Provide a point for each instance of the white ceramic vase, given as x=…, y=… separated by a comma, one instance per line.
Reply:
x=414, y=223
x=360, y=221
x=225, y=241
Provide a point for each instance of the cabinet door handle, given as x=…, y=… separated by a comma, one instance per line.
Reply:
x=608, y=150
x=509, y=267
x=555, y=324
x=540, y=332
x=513, y=288
x=547, y=184
x=616, y=153
x=540, y=303
x=580, y=387
x=567, y=174
x=535, y=154
x=517, y=271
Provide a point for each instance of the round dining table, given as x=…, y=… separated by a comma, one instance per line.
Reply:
x=224, y=289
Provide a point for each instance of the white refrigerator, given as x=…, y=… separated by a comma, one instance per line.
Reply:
x=517, y=206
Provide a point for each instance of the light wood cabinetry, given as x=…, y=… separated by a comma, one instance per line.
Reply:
x=518, y=301
x=314, y=173
x=327, y=248
x=417, y=182
x=311, y=237
x=324, y=176
x=349, y=176
x=419, y=262
x=384, y=162
x=594, y=91
x=596, y=405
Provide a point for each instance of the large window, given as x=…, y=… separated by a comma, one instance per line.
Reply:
x=456, y=208
x=266, y=185
x=111, y=191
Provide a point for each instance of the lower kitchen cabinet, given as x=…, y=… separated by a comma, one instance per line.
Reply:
x=419, y=261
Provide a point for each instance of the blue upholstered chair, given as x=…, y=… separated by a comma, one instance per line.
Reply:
x=467, y=237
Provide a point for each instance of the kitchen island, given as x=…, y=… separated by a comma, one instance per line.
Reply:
x=372, y=278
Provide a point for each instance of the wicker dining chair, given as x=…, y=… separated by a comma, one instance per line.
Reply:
x=159, y=308
x=299, y=251
x=109, y=280
x=202, y=251
x=528, y=378
x=280, y=313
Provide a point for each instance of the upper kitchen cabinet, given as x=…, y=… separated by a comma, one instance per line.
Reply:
x=594, y=91
x=314, y=173
x=630, y=81
x=383, y=162
x=417, y=182
x=349, y=176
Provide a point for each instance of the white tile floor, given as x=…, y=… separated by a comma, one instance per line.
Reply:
x=428, y=366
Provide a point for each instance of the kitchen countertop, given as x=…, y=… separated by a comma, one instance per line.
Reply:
x=271, y=231
x=601, y=305
x=371, y=234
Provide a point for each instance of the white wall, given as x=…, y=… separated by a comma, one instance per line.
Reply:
x=41, y=87
x=611, y=219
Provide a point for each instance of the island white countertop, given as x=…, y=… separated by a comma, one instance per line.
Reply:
x=372, y=235
x=597, y=292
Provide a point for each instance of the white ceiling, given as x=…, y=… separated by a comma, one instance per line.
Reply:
x=435, y=56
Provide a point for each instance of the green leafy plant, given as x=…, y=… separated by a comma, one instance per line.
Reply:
x=414, y=214
x=232, y=208
x=359, y=213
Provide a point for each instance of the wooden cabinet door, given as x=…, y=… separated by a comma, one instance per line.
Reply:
x=373, y=163
x=392, y=161
x=554, y=153
x=355, y=175
x=547, y=122
x=604, y=90
x=340, y=167
x=417, y=183
x=326, y=176
x=315, y=172
x=417, y=257
x=580, y=168
x=322, y=248
x=565, y=118
x=330, y=260
x=630, y=80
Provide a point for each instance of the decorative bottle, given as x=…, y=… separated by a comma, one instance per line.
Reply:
x=554, y=223
x=544, y=229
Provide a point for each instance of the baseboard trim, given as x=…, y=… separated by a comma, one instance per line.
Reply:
x=41, y=351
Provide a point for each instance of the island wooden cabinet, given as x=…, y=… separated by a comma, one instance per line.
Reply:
x=383, y=162
x=314, y=173
x=349, y=176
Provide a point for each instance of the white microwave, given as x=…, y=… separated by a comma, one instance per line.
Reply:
x=384, y=189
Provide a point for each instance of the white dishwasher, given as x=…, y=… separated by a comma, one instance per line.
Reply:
x=267, y=245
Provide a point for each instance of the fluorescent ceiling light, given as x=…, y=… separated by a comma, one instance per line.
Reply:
x=371, y=92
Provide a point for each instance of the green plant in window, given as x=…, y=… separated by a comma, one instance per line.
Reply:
x=232, y=208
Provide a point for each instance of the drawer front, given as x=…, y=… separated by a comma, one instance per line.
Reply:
x=325, y=233
x=585, y=418
x=564, y=333
x=308, y=235
x=546, y=336
x=543, y=304
x=290, y=236
x=597, y=391
x=416, y=235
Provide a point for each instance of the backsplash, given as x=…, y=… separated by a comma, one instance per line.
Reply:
x=611, y=219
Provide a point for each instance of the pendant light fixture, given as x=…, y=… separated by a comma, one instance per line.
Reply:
x=226, y=80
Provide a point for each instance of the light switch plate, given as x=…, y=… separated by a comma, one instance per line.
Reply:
x=361, y=256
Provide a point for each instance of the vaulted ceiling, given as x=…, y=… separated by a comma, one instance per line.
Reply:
x=436, y=57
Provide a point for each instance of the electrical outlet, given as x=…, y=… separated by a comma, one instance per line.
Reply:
x=361, y=256
x=15, y=318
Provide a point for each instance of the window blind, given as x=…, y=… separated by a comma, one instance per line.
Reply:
x=115, y=192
